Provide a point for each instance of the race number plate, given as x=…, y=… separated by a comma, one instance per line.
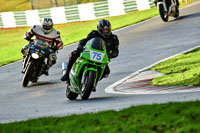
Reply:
x=96, y=56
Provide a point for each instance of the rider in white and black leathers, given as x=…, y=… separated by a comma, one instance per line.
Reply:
x=168, y=3
x=112, y=43
x=47, y=33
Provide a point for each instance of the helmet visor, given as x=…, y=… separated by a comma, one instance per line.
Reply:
x=107, y=30
x=47, y=27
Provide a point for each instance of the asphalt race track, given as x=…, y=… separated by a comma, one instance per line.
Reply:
x=140, y=45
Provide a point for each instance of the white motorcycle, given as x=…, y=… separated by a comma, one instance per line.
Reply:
x=166, y=11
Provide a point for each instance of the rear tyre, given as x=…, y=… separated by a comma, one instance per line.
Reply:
x=163, y=14
x=88, y=85
x=26, y=76
x=70, y=95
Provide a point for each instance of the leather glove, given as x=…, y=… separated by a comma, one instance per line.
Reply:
x=31, y=41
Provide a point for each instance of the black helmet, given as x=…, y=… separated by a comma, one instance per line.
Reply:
x=47, y=25
x=104, y=28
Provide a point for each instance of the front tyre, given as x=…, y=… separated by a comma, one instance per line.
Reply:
x=70, y=95
x=163, y=14
x=88, y=85
x=27, y=74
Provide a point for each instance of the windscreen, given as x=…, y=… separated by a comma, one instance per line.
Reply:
x=98, y=44
x=42, y=44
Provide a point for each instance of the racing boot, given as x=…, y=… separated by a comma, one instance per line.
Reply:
x=46, y=70
x=65, y=77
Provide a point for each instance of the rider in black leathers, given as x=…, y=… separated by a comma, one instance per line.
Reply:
x=112, y=43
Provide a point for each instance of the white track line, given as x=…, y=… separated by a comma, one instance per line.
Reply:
x=110, y=89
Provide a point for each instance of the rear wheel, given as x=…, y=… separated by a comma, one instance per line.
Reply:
x=70, y=95
x=88, y=85
x=26, y=76
x=163, y=14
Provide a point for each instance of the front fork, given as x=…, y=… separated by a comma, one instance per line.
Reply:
x=85, y=72
x=24, y=63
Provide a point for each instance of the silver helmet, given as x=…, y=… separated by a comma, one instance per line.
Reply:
x=47, y=25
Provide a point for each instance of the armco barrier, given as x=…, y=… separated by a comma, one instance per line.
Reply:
x=81, y=12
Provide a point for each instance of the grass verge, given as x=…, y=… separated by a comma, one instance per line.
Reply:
x=180, y=70
x=22, y=5
x=156, y=118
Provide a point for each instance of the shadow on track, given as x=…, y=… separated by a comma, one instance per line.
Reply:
x=91, y=100
x=190, y=16
x=40, y=84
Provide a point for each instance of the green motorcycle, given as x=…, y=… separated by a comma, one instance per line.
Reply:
x=88, y=69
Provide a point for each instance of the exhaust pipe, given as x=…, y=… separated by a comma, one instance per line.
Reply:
x=64, y=68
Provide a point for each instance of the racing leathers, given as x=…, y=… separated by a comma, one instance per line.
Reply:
x=50, y=38
x=112, y=44
x=168, y=3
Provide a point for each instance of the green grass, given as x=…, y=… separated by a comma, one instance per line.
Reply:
x=22, y=5
x=156, y=118
x=14, y=5
x=180, y=70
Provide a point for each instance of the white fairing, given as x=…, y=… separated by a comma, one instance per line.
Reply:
x=162, y=3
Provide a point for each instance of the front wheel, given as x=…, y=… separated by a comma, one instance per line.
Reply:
x=88, y=85
x=27, y=75
x=70, y=95
x=163, y=14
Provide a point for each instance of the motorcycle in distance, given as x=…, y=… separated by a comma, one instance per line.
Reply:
x=164, y=11
x=88, y=69
x=34, y=62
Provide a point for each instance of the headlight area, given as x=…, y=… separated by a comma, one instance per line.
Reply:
x=35, y=55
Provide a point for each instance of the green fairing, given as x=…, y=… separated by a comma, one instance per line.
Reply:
x=86, y=63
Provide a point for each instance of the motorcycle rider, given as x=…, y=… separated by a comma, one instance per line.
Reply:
x=112, y=43
x=168, y=3
x=45, y=32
